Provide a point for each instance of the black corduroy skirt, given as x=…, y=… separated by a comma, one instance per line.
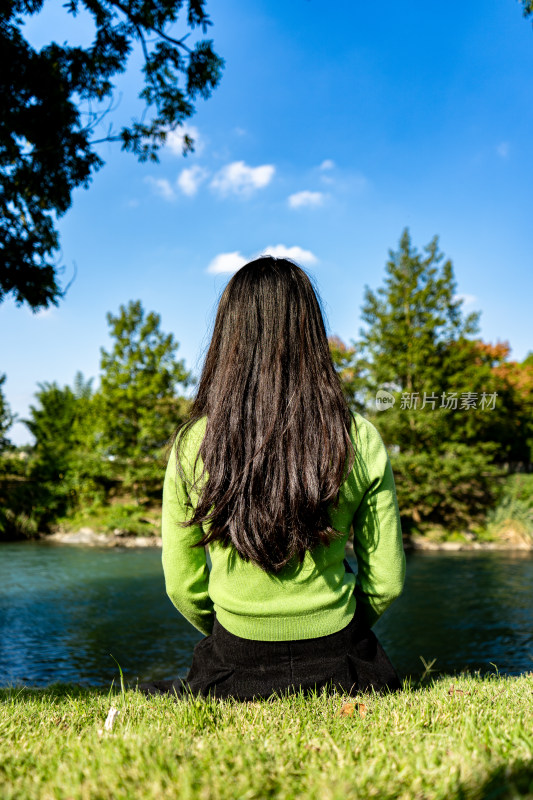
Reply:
x=351, y=660
x=227, y=666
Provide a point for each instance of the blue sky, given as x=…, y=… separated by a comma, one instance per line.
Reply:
x=330, y=132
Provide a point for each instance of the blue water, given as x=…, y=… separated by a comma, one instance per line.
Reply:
x=64, y=611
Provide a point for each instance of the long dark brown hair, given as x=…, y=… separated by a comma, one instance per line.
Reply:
x=277, y=441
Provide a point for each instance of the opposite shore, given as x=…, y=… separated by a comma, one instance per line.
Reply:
x=89, y=537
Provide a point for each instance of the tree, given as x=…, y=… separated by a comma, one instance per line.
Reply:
x=419, y=346
x=67, y=468
x=349, y=369
x=6, y=417
x=414, y=316
x=527, y=7
x=51, y=423
x=138, y=396
x=515, y=384
x=486, y=371
x=53, y=103
x=13, y=522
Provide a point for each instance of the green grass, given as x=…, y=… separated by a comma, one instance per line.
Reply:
x=474, y=740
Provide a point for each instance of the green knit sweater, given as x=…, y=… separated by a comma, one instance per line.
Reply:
x=303, y=601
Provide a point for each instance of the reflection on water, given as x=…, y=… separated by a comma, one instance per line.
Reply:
x=64, y=610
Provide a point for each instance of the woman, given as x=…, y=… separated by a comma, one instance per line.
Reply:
x=271, y=472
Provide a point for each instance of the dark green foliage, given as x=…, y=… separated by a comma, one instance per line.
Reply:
x=450, y=483
x=53, y=104
x=519, y=488
x=6, y=417
x=13, y=499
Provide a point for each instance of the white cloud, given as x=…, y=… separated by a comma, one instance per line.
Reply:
x=327, y=164
x=162, y=187
x=190, y=179
x=226, y=262
x=503, y=149
x=468, y=299
x=296, y=253
x=239, y=178
x=231, y=262
x=174, y=140
x=306, y=198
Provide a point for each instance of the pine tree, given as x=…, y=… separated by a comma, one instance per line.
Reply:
x=139, y=397
x=415, y=316
x=418, y=345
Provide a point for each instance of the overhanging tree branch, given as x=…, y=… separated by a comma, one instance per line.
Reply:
x=45, y=145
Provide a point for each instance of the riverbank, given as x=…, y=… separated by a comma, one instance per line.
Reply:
x=511, y=544
x=465, y=737
x=90, y=538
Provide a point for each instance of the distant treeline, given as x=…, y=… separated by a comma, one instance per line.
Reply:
x=455, y=412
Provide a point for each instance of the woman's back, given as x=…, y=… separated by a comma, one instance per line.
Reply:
x=303, y=600
x=277, y=444
x=271, y=472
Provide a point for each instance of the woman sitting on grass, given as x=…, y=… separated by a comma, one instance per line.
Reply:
x=271, y=471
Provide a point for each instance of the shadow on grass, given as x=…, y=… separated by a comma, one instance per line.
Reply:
x=507, y=782
x=56, y=691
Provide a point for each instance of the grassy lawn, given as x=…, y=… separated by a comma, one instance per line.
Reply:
x=462, y=737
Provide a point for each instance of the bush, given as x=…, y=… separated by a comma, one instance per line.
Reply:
x=15, y=526
x=514, y=510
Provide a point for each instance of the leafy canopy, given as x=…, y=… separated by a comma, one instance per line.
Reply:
x=54, y=102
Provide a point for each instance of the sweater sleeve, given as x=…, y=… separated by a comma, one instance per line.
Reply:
x=185, y=567
x=377, y=532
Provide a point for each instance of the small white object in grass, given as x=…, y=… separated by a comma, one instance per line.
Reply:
x=112, y=714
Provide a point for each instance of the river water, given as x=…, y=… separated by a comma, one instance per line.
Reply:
x=66, y=612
